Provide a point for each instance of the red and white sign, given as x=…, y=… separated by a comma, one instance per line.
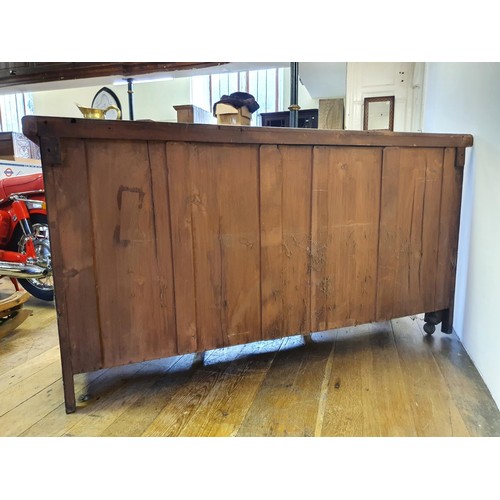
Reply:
x=10, y=168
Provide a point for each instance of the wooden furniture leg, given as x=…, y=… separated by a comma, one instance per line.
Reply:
x=199, y=359
x=69, y=394
x=308, y=339
x=445, y=317
x=447, y=321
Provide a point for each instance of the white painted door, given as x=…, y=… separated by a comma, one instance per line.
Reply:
x=403, y=80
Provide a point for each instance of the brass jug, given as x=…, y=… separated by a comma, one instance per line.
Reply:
x=96, y=113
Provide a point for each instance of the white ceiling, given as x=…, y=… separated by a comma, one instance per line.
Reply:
x=324, y=79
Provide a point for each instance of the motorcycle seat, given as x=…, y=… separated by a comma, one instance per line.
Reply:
x=20, y=184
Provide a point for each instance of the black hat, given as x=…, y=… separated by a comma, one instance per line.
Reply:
x=238, y=100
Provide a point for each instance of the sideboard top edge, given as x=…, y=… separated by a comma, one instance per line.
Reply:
x=35, y=127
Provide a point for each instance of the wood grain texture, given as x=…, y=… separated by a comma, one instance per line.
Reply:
x=150, y=399
x=128, y=279
x=187, y=113
x=22, y=73
x=368, y=398
x=198, y=237
x=10, y=324
x=433, y=410
x=225, y=407
x=21, y=348
x=296, y=376
x=465, y=390
x=285, y=204
x=385, y=379
x=97, y=417
x=331, y=114
x=91, y=389
x=35, y=127
x=217, y=260
x=409, y=232
x=345, y=217
x=73, y=264
x=163, y=242
x=175, y=415
x=451, y=196
x=181, y=226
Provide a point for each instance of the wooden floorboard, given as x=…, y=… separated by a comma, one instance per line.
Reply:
x=287, y=403
x=381, y=379
x=367, y=395
x=227, y=403
x=432, y=406
x=468, y=391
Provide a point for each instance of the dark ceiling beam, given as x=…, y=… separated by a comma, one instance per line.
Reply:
x=19, y=73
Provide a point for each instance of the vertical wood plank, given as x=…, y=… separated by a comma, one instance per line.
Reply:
x=209, y=246
x=131, y=318
x=217, y=251
x=429, y=240
x=71, y=233
x=239, y=206
x=409, y=231
x=448, y=230
x=179, y=179
x=345, y=218
x=285, y=182
x=163, y=242
x=271, y=203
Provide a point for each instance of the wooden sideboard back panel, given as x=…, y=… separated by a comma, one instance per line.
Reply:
x=215, y=236
x=416, y=264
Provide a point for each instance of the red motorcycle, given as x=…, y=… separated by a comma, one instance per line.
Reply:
x=24, y=235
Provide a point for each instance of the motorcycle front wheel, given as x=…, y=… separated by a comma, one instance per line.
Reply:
x=41, y=288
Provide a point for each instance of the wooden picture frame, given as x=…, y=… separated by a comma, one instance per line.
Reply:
x=378, y=113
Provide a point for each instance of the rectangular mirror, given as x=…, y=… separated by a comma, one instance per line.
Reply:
x=378, y=113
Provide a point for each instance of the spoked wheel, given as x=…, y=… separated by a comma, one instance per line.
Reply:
x=41, y=288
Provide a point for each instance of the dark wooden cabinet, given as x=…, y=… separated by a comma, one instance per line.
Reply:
x=170, y=238
x=308, y=118
x=14, y=146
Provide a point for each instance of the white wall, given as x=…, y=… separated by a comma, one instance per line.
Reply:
x=324, y=80
x=464, y=98
x=403, y=80
x=304, y=99
x=153, y=101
